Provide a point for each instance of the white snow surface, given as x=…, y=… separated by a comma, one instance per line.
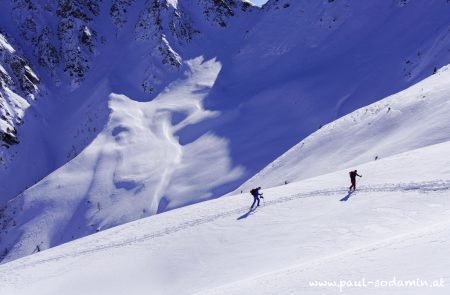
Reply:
x=4, y=44
x=134, y=168
x=395, y=227
x=413, y=118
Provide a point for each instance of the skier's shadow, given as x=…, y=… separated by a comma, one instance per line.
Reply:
x=345, y=199
x=247, y=214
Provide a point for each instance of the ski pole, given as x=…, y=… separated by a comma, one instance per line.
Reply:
x=360, y=181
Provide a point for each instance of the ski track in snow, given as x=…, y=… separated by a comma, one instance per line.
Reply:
x=396, y=224
x=422, y=187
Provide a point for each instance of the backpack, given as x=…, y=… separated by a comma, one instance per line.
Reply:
x=254, y=192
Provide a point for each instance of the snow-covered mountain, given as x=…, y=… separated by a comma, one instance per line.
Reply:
x=146, y=106
x=394, y=228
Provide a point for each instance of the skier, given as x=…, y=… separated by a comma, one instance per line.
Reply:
x=353, y=175
x=255, y=193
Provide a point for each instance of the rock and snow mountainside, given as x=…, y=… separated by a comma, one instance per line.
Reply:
x=18, y=88
x=395, y=227
x=85, y=50
x=413, y=118
x=151, y=105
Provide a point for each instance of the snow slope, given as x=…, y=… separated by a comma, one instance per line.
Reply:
x=413, y=118
x=395, y=225
x=134, y=168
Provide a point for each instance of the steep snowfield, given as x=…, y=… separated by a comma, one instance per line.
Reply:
x=134, y=168
x=413, y=118
x=395, y=225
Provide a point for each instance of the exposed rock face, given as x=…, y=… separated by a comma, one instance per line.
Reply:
x=65, y=36
x=119, y=11
x=18, y=87
x=61, y=34
x=158, y=23
x=219, y=11
x=58, y=38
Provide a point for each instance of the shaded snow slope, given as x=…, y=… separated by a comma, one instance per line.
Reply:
x=306, y=63
x=134, y=168
x=413, y=118
x=396, y=224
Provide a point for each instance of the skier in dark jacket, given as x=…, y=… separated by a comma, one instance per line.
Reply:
x=353, y=175
x=255, y=193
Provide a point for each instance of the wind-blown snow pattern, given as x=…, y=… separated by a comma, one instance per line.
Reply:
x=413, y=118
x=134, y=168
x=85, y=50
x=132, y=108
x=395, y=225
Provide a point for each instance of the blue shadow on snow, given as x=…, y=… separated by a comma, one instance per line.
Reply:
x=344, y=199
x=247, y=214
